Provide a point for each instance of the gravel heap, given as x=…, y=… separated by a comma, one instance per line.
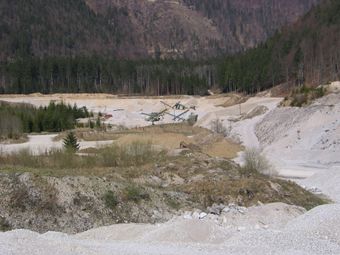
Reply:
x=314, y=232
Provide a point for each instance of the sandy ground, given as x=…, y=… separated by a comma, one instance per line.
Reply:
x=305, y=143
x=302, y=143
x=127, y=111
x=40, y=144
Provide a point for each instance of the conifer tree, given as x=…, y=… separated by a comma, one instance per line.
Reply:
x=71, y=142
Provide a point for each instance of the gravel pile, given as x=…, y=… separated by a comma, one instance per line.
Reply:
x=315, y=232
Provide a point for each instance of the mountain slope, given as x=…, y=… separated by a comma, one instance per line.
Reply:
x=246, y=23
x=140, y=28
x=307, y=52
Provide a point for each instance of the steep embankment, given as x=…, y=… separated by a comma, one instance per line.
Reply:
x=305, y=142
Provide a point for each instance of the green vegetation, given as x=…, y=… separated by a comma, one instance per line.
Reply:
x=110, y=199
x=4, y=226
x=302, y=54
x=302, y=96
x=134, y=154
x=71, y=142
x=135, y=193
x=21, y=118
x=101, y=74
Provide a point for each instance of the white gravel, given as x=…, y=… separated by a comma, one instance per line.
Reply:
x=316, y=232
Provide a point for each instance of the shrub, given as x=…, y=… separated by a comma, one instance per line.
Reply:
x=254, y=161
x=304, y=95
x=110, y=199
x=299, y=100
x=135, y=194
x=4, y=225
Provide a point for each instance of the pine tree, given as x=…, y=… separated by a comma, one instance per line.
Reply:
x=71, y=142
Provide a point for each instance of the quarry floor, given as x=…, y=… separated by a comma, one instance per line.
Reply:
x=302, y=143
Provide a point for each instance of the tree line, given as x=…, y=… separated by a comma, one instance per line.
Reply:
x=22, y=118
x=98, y=74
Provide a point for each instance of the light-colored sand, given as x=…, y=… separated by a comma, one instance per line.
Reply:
x=40, y=144
x=305, y=143
x=207, y=108
x=311, y=233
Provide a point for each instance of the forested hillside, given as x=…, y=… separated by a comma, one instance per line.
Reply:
x=45, y=49
x=307, y=52
x=246, y=23
x=140, y=28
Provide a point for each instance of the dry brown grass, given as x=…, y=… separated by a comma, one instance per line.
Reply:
x=167, y=137
x=223, y=149
x=234, y=99
x=246, y=191
x=59, y=162
x=17, y=140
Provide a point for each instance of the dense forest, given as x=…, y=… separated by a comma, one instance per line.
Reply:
x=98, y=74
x=21, y=118
x=306, y=53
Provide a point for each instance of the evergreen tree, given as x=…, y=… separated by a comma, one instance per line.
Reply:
x=71, y=142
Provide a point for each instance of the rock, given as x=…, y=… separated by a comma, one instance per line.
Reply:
x=315, y=190
x=242, y=210
x=216, y=209
x=202, y=215
x=226, y=210
x=187, y=216
x=196, y=214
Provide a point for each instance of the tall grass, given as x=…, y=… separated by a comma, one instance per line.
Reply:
x=134, y=154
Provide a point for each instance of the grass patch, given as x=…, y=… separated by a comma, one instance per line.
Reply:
x=133, y=154
x=110, y=199
x=173, y=203
x=135, y=193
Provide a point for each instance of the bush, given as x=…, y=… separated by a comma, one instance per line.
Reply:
x=135, y=194
x=4, y=225
x=304, y=95
x=254, y=161
x=299, y=100
x=110, y=199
